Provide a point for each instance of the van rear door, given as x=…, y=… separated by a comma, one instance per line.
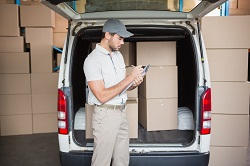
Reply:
x=82, y=9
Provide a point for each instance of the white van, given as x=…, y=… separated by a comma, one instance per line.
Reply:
x=151, y=23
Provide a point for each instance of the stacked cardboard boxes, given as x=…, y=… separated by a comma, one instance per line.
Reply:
x=239, y=7
x=158, y=92
x=7, y=2
x=39, y=36
x=60, y=31
x=227, y=51
x=128, y=50
x=15, y=92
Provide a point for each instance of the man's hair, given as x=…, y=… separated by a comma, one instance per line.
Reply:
x=103, y=34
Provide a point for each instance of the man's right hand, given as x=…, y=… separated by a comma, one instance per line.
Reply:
x=137, y=71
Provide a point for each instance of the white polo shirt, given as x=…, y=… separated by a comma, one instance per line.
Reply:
x=101, y=65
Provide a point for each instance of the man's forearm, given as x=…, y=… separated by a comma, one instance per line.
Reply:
x=111, y=92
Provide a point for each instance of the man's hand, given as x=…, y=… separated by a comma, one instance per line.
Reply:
x=137, y=72
x=138, y=80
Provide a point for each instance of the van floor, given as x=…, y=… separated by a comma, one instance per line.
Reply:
x=149, y=137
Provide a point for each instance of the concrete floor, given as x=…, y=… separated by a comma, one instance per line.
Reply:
x=29, y=150
x=34, y=150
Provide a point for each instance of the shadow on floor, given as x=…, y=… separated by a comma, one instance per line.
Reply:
x=29, y=150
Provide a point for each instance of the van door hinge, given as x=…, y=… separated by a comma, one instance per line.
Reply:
x=69, y=139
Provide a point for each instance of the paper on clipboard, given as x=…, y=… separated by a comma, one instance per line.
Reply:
x=145, y=69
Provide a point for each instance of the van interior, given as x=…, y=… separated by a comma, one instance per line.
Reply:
x=187, y=81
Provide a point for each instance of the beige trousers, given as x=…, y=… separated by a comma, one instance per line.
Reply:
x=111, y=141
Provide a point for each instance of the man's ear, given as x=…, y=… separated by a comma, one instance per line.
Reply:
x=107, y=35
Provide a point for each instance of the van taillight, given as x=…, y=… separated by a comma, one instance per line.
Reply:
x=62, y=113
x=206, y=112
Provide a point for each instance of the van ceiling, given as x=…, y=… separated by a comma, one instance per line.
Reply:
x=141, y=33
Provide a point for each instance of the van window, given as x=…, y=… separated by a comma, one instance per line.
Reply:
x=88, y=6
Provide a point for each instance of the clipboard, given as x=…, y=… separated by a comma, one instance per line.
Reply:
x=145, y=70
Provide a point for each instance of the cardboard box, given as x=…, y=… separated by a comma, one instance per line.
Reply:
x=16, y=124
x=9, y=19
x=45, y=123
x=223, y=32
x=15, y=84
x=238, y=12
x=230, y=97
x=189, y=5
x=41, y=42
x=44, y=103
x=230, y=130
x=11, y=44
x=156, y=53
x=89, y=109
x=160, y=82
x=158, y=114
x=129, y=53
x=14, y=63
x=243, y=4
x=36, y=16
x=233, y=4
x=15, y=104
x=228, y=156
x=132, y=116
x=30, y=2
x=132, y=94
x=59, y=38
x=7, y=2
x=39, y=36
x=44, y=83
x=61, y=23
x=228, y=64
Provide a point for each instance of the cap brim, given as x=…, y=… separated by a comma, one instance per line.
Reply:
x=125, y=34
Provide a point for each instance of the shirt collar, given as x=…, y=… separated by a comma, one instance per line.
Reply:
x=103, y=50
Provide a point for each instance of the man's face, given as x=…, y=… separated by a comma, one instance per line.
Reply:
x=115, y=42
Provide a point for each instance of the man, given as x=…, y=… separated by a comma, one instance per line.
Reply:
x=106, y=76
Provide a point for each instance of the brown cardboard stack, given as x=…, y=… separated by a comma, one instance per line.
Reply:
x=227, y=51
x=132, y=116
x=7, y=2
x=239, y=7
x=128, y=51
x=30, y=2
x=15, y=91
x=39, y=34
x=132, y=94
x=60, y=31
x=158, y=92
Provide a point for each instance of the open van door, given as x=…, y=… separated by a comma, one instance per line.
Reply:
x=171, y=9
x=62, y=8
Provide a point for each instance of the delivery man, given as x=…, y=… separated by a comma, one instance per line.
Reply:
x=105, y=72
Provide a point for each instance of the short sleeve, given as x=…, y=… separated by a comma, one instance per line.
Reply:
x=92, y=69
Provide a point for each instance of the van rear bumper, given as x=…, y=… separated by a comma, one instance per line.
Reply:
x=149, y=159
